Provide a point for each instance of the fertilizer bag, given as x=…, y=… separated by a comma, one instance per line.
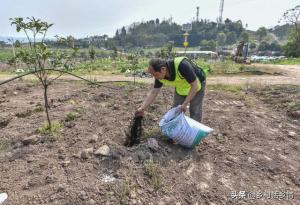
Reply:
x=183, y=129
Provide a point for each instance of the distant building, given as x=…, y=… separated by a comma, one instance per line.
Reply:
x=197, y=54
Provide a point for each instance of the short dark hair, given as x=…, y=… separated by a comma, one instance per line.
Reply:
x=157, y=64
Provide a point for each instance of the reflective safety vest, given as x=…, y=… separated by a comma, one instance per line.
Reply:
x=180, y=83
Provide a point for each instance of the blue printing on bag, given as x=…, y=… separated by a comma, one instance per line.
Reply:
x=170, y=126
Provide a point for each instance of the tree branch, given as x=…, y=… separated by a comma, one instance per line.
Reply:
x=99, y=83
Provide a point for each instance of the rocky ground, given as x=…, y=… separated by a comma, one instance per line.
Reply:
x=252, y=157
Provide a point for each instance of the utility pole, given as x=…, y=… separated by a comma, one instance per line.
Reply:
x=220, y=18
x=186, y=27
x=197, y=14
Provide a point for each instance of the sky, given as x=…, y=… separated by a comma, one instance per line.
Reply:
x=81, y=18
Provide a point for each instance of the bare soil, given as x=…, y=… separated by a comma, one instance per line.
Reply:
x=252, y=157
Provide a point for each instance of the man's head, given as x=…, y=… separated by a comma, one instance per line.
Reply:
x=158, y=68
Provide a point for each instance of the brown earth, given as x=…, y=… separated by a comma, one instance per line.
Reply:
x=253, y=151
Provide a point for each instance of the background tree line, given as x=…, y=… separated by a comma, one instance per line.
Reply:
x=206, y=34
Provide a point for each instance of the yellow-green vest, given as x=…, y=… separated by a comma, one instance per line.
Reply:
x=180, y=83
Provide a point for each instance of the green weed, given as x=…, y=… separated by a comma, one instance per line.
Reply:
x=55, y=128
x=71, y=116
x=121, y=190
x=4, y=145
x=154, y=172
x=38, y=108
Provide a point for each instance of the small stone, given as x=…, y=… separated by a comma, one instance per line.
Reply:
x=142, y=155
x=139, y=191
x=161, y=203
x=133, y=194
x=61, y=156
x=104, y=151
x=15, y=93
x=202, y=186
x=3, y=197
x=115, y=107
x=90, y=150
x=70, y=124
x=60, y=150
x=169, y=200
x=30, y=159
x=292, y=134
x=17, y=145
x=50, y=179
x=153, y=144
x=66, y=163
x=150, y=190
x=61, y=188
x=168, y=150
x=83, y=195
x=93, y=139
x=294, y=114
x=85, y=154
x=133, y=201
x=91, y=202
x=31, y=140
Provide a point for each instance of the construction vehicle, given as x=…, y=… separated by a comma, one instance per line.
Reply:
x=241, y=54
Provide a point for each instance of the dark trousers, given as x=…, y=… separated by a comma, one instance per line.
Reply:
x=195, y=104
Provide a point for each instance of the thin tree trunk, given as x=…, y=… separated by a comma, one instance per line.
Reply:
x=47, y=105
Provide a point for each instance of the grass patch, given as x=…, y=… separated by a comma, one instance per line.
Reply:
x=107, y=65
x=6, y=54
x=81, y=110
x=224, y=87
x=154, y=172
x=4, y=145
x=225, y=67
x=121, y=190
x=293, y=106
x=38, y=108
x=289, y=61
x=152, y=132
x=71, y=116
x=32, y=80
x=55, y=128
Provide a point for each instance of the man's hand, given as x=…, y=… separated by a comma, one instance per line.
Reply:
x=183, y=107
x=139, y=112
x=190, y=96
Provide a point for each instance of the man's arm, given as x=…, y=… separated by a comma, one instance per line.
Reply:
x=149, y=99
x=190, y=96
x=186, y=69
